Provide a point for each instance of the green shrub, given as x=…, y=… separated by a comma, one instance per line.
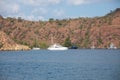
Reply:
x=67, y=42
x=43, y=45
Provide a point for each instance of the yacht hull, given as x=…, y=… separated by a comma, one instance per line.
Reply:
x=64, y=48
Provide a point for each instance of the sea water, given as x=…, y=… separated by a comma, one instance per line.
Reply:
x=80, y=64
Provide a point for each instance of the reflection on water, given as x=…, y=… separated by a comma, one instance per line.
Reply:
x=60, y=65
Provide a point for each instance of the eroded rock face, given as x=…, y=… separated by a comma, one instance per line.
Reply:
x=82, y=31
x=8, y=44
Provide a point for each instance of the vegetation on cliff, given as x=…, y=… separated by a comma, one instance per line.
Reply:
x=82, y=32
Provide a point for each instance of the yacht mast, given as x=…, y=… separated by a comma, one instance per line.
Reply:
x=52, y=39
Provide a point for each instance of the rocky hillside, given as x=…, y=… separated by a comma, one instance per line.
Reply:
x=83, y=32
x=7, y=44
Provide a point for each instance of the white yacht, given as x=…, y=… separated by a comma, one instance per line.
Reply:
x=57, y=47
x=112, y=46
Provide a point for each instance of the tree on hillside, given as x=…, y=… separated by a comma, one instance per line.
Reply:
x=67, y=42
x=19, y=19
x=43, y=45
x=51, y=19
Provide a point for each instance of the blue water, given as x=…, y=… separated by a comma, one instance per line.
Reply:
x=83, y=64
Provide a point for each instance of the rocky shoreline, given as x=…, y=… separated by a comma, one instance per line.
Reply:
x=15, y=48
x=8, y=44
